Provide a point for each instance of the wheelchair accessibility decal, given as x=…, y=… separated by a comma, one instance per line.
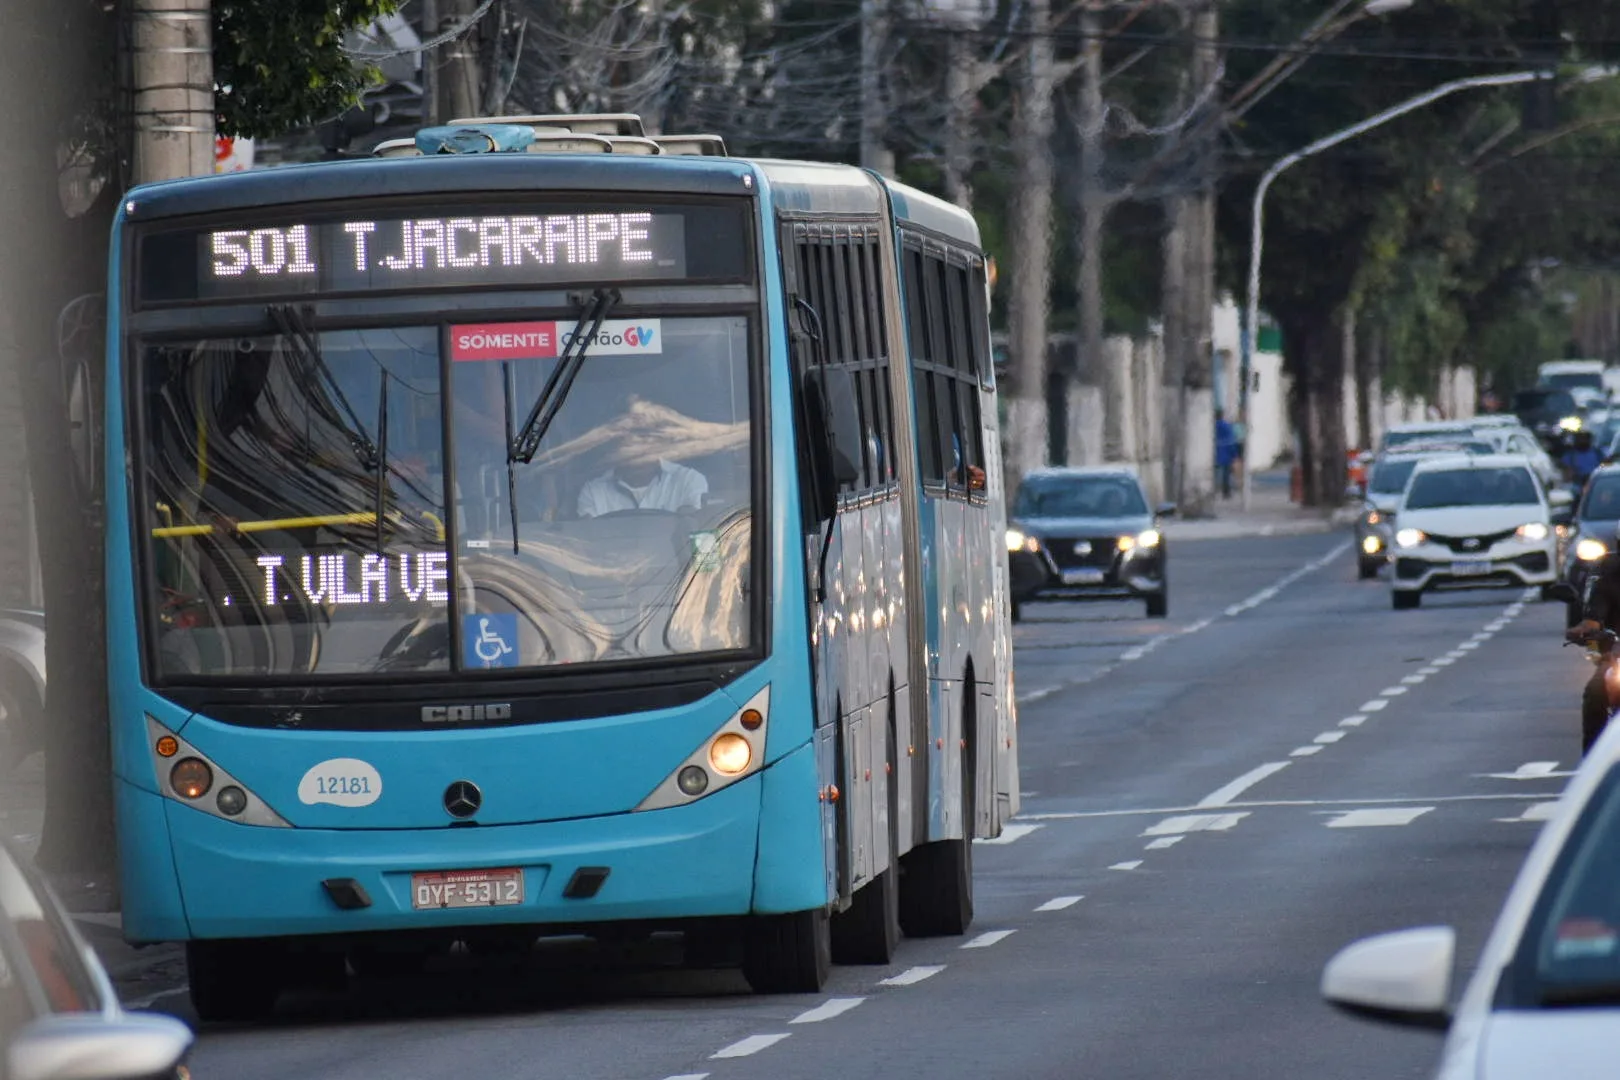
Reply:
x=489, y=641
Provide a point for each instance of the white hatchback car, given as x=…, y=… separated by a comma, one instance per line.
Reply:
x=1469, y=522
x=1544, y=1001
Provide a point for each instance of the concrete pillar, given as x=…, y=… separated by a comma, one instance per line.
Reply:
x=1085, y=430
x=172, y=72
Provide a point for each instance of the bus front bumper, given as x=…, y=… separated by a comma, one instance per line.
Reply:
x=238, y=881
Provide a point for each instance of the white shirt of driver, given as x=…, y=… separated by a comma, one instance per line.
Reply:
x=675, y=488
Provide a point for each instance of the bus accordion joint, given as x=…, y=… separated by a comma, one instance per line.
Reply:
x=736, y=750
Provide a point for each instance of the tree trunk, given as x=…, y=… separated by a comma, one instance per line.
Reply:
x=1030, y=246
x=50, y=56
x=959, y=101
x=1315, y=357
x=1369, y=344
x=1174, y=301
x=1093, y=367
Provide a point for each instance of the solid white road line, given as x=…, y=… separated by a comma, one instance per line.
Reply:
x=989, y=938
x=1164, y=842
x=1225, y=794
x=1058, y=903
x=827, y=1010
x=1010, y=834
x=1131, y=865
x=1304, y=751
x=1328, y=737
x=751, y=1045
x=1195, y=823
x=912, y=976
x=1384, y=815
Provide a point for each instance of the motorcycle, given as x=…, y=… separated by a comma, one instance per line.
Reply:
x=1603, y=650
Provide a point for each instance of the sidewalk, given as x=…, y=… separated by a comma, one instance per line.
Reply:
x=1270, y=513
x=138, y=974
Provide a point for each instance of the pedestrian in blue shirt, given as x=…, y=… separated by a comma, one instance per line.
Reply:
x=1226, y=445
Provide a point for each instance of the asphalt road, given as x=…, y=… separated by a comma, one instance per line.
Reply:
x=1214, y=804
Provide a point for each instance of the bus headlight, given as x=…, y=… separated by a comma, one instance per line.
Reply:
x=1410, y=538
x=1590, y=550
x=187, y=775
x=733, y=752
x=1533, y=531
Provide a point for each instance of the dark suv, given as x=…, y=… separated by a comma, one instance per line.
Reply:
x=1086, y=534
x=1550, y=413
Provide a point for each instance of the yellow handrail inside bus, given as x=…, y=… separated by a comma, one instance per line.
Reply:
x=315, y=521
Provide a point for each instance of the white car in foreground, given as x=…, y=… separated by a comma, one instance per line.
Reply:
x=1470, y=522
x=1544, y=1001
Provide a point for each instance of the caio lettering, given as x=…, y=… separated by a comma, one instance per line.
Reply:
x=465, y=714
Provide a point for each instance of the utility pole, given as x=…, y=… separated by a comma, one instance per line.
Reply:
x=1029, y=268
x=960, y=93
x=875, y=153
x=456, y=84
x=1094, y=370
x=1188, y=296
x=172, y=86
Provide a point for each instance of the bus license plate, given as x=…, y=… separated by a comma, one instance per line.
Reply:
x=466, y=889
x=1082, y=577
x=1470, y=567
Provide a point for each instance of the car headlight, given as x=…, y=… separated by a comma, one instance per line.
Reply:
x=1148, y=539
x=1570, y=423
x=1534, y=531
x=1410, y=538
x=1590, y=550
x=1017, y=541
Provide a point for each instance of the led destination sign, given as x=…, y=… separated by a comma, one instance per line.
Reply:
x=535, y=246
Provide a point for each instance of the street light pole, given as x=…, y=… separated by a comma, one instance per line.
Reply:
x=1251, y=317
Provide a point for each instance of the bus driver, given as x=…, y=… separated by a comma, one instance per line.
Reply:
x=643, y=485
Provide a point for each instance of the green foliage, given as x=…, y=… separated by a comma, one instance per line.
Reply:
x=280, y=64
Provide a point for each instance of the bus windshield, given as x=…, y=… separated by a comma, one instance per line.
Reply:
x=269, y=457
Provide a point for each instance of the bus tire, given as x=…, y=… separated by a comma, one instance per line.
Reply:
x=232, y=981
x=788, y=954
x=868, y=932
x=936, y=879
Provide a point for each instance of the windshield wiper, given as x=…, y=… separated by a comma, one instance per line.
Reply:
x=294, y=326
x=593, y=310
x=372, y=455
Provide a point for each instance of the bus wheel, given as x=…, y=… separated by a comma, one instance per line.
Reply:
x=936, y=879
x=388, y=961
x=788, y=954
x=868, y=932
x=232, y=981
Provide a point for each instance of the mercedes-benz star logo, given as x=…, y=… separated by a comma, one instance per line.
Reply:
x=462, y=799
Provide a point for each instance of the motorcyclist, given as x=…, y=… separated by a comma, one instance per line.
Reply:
x=1581, y=459
x=1601, y=611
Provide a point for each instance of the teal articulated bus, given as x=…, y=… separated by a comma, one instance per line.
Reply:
x=542, y=528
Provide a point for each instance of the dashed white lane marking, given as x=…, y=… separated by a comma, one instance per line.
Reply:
x=1010, y=834
x=1530, y=770
x=1058, y=903
x=1374, y=705
x=1329, y=737
x=989, y=938
x=827, y=1010
x=1415, y=679
x=1304, y=751
x=1164, y=842
x=689, y=1076
x=1384, y=815
x=1137, y=652
x=1427, y=671
x=912, y=976
x=1468, y=646
x=1392, y=691
x=1442, y=661
x=1223, y=795
x=1262, y=804
x=751, y=1045
x=1540, y=811
x=1195, y=823
x=1353, y=721
x=1131, y=865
